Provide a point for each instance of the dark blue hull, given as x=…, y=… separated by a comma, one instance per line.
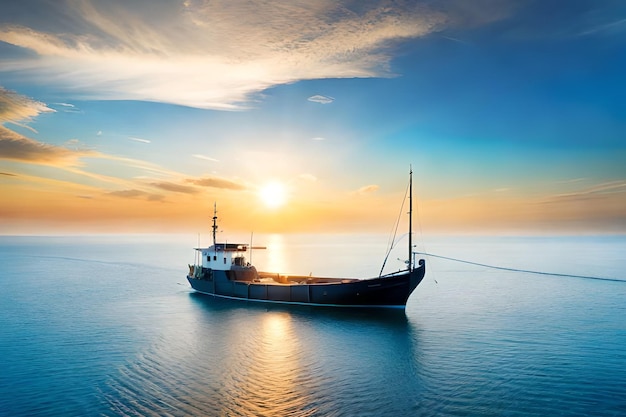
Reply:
x=389, y=291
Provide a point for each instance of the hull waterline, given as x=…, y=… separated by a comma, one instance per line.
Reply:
x=391, y=291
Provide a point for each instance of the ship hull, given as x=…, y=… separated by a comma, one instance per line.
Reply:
x=389, y=291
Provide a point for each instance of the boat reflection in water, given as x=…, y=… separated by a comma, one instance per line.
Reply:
x=293, y=360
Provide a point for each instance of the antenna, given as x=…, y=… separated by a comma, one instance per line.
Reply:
x=214, y=221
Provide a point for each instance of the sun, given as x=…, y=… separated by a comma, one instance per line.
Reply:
x=273, y=194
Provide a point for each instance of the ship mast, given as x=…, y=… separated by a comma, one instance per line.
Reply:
x=410, y=218
x=214, y=222
x=393, y=241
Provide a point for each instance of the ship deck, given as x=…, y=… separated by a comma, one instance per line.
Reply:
x=275, y=277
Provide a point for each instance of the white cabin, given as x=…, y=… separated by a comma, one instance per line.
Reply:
x=222, y=256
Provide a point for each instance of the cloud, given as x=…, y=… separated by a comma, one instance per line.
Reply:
x=212, y=182
x=318, y=138
x=321, y=99
x=368, y=189
x=216, y=55
x=67, y=108
x=610, y=187
x=16, y=147
x=8, y=174
x=177, y=188
x=613, y=27
x=139, y=140
x=15, y=107
x=133, y=193
x=13, y=146
x=206, y=158
x=456, y=40
x=99, y=133
x=570, y=181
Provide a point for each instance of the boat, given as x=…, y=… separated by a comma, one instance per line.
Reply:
x=221, y=270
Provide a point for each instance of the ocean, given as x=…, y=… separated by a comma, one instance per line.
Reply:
x=108, y=326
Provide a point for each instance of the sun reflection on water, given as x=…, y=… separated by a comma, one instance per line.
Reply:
x=273, y=372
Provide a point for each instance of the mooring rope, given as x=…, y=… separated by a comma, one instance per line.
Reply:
x=519, y=270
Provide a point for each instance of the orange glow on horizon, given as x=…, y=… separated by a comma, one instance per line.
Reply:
x=54, y=209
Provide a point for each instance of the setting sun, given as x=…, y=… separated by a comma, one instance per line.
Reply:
x=273, y=194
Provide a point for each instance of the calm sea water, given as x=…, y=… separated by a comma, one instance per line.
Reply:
x=107, y=325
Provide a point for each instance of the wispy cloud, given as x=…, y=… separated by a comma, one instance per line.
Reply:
x=368, y=189
x=16, y=147
x=15, y=107
x=8, y=174
x=571, y=181
x=456, y=40
x=209, y=54
x=25, y=126
x=177, y=188
x=134, y=193
x=213, y=182
x=317, y=138
x=321, y=99
x=593, y=196
x=618, y=186
x=615, y=26
x=139, y=140
x=204, y=157
x=67, y=107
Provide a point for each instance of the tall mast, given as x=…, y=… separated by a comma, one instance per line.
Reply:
x=410, y=218
x=214, y=221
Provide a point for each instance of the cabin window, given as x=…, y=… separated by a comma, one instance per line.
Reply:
x=224, y=260
x=215, y=257
x=208, y=258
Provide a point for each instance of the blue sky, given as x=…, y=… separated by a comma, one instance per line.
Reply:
x=136, y=116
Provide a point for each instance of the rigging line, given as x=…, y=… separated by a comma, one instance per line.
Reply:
x=395, y=232
x=520, y=270
x=392, y=241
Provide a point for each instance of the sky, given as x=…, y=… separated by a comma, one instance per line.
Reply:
x=307, y=115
